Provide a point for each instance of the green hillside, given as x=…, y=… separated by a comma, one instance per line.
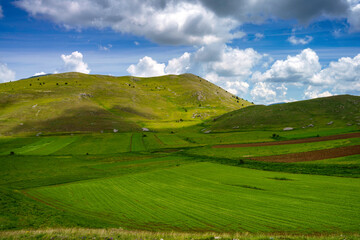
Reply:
x=75, y=102
x=330, y=112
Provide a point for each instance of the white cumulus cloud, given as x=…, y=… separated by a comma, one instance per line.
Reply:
x=313, y=92
x=39, y=74
x=266, y=93
x=344, y=75
x=236, y=62
x=147, y=67
x=74, y=63
x=179, y=65
x=168, y=22
x=236, y=87
x=262, y=92
x=299, y=68
x=179, y=22
x=354, y=18
x=300, y=41
x=226, y=66
x=6, y=74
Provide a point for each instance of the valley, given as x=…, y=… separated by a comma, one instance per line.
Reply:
x=165, y=172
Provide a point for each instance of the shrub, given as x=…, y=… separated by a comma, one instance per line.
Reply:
x=240, y=162
x=275, y=136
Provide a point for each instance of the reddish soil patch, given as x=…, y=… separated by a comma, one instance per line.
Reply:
x=312, y=155
x=304, y=140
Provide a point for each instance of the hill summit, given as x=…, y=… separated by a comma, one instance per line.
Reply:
x=75, y=102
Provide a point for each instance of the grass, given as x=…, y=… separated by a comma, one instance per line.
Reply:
x=246, y=152
x=137, y=143
x=81, y=233
x=75, y=102
x=81, y=173
x=205, y=197
x=54, y=168
x=340, y=110
x=348, y=160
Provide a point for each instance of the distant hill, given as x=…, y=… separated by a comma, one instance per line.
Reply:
x=335, y=111
x=75, y=102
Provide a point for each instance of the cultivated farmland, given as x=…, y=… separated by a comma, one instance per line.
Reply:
x=188, y=176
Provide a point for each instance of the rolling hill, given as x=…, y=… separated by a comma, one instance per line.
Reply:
x=329, y=112
x=75, y=102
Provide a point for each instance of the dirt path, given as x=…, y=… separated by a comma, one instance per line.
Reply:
x=305, y=140
x=312, y=155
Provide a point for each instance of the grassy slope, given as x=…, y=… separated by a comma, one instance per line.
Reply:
x=71, y=102
x=341, y=110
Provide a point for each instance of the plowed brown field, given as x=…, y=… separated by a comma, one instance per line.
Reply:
x=312, y=155
x=304, y=140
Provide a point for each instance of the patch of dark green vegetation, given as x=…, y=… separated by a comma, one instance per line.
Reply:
x=338, y=170
x=245, y=186
x=282, y=179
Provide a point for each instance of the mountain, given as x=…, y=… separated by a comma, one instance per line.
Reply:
x=75, y=102
x=328, y=112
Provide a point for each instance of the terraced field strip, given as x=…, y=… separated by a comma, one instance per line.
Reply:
x=343, y=161
x=42, y=145
x=98, y=144
x=137, y=143
x=158, y=140
x=312, y=155
x=250, y=152
x=172, y=140
x=212, y=197
x=297, y=141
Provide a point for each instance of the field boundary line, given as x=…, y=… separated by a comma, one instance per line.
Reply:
x=297, y=141
x=312, y=155
x=159, y=140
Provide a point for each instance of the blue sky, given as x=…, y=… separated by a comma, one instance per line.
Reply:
x=265, y=51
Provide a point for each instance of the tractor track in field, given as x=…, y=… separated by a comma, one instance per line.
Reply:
x=158, y=140
x=38, y=199
x=311, y=155
x=304, y=140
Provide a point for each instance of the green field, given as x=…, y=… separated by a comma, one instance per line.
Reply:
x=212, y=197
x=165, y=182
x=75, y=162
x=245, y=152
